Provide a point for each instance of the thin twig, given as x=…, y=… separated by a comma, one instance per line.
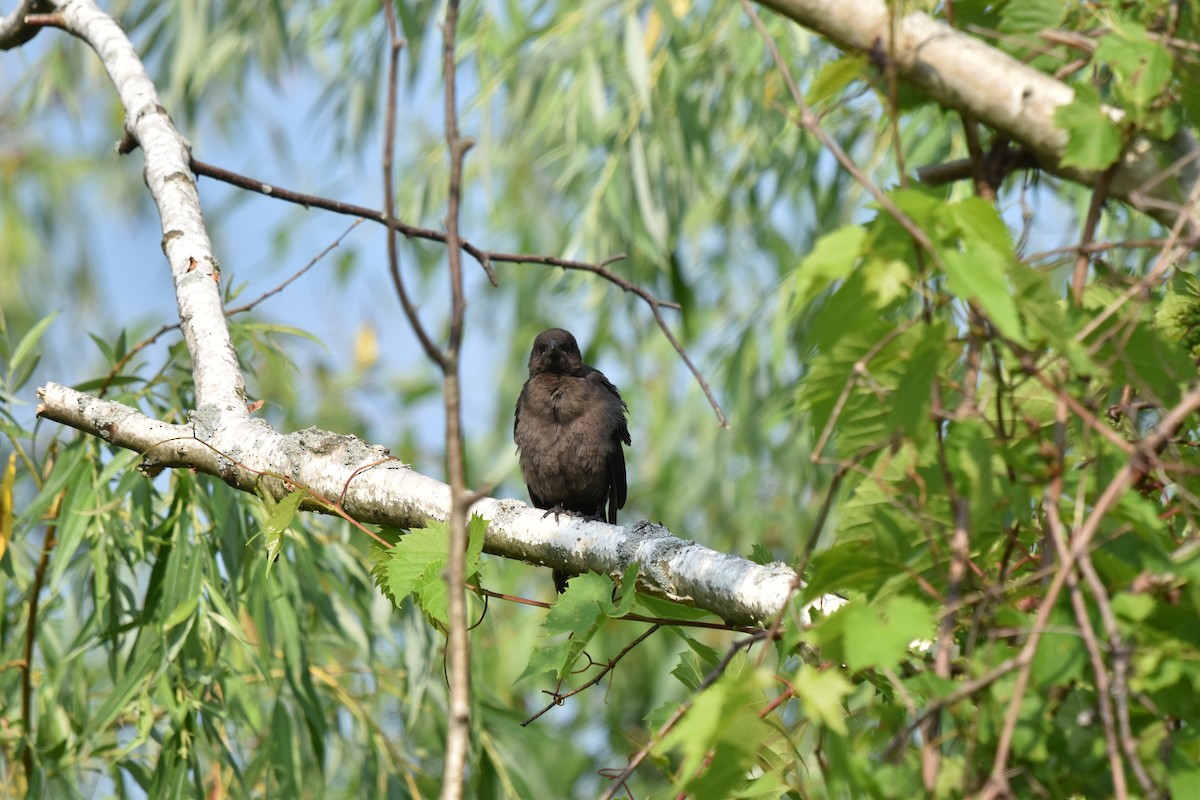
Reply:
x=1058, y=534
x=661, y=621
x=1102, y=247
x=35, y=591
x=1099, y=195
x=297, y=274
x=434, y=352
x=486, y=258
x=458, y=732
x=559, y=698
x=1120, y=654
x=1132, y=471
x=154, y=337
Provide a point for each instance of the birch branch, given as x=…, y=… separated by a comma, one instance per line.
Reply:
x=220, y=390
x=14, y=31
x=390, y=493
x=966, y=75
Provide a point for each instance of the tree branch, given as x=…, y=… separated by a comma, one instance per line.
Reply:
x=219, y=387
x=458, y=733
x=390, y=493
x=964, y=74
x=15, y=30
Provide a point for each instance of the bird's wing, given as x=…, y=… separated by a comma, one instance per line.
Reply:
x=616, y=481
x=517, y=411
x=615, y=466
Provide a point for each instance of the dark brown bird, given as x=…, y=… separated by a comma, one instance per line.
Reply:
x=569, y=426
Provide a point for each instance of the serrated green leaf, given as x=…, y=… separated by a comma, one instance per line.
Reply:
x=1142, y=64
x=978, y=273
x=547, y=657
x=879, y=635
x=1031, y=16
x=707, y=655
x=1093, y=140
x=759, y=554
x=432, y=595
x=403, y=566
x=579, y=612
x=911, y=400
x=690, y=671
x=821, y=693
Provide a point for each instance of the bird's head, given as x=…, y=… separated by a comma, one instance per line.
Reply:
x=555, y=351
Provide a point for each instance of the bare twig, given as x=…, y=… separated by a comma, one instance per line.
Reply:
x=35, y=591
x=1058, y=533
x=295, y=275
x=154, y=337
x=1100, y=247
x=1099, y=194
x=434, y=352
x=999, y=163
x=605, y=669
x=486, y=258
x=1120, y=654
x=1132, y=471
x=458, y=733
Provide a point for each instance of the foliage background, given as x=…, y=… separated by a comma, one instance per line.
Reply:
x=169, y=660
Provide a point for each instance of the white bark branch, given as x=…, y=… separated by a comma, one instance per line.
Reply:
x=219, y=387
x=964, y=74
x=390, y=493
x=14, y=32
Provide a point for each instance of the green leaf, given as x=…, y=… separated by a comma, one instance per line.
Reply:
x=911, y=400
x=975, y=219
x=721, y=736
x=143, y=664
x=579, y=612
x=834, y=76
x=821, y=692
x=876, y=635
x=1031, y=16
x=432, y=595
x=1142, y=65
x=416, y=566
x=29, y=341
x=1093, y=140
x=280, y=516
x=413, y=554
x=1061, y=656
x=831, y=258
x=978, y=273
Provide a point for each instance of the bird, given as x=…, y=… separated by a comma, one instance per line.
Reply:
x=569, y=426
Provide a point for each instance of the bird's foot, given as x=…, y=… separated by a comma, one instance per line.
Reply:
x=556, y=511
